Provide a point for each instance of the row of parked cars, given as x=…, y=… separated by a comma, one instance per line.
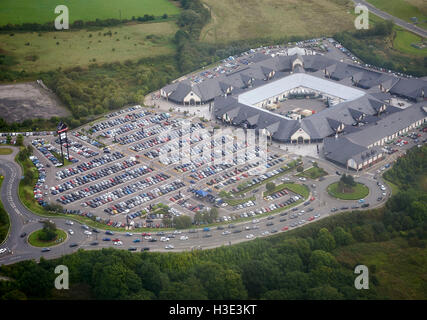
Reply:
x=126, y=190
x=78, y=148
x=104, y=185
x=46, y=149
x=145, y=133
x=120, y=121
x=261, y=178
x=85, y=138
x=97, y=162
x=144, y=197
x=38, y=187
x=93, y=176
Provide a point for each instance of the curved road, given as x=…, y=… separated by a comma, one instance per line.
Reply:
x=408, y=26
x=23, y=220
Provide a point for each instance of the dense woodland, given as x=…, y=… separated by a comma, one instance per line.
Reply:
x=299, y=264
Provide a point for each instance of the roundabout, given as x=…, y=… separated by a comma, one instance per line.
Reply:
x=356, y=192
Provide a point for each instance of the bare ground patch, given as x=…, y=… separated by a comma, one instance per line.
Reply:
x=22, y=101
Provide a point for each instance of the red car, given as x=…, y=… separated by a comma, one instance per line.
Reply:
x=311, y=219
x=286, y=228
x=115, y=240
x=312, y=198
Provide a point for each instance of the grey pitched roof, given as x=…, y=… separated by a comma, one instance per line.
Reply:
x=410, y=88
x=389, y=125
x=341, y=149
x=181, y=91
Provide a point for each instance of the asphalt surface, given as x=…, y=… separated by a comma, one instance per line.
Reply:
x=23, y=220
x=408, y=26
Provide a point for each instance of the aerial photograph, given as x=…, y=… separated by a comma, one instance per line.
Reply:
x=208, y=157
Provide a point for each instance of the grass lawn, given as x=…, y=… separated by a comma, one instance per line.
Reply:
x=294, y=187
x=359, y=192
x=4, y=218
x=34, y=240
x=403, y=40
x=84, y=47
x=404, y=9
x=22, y=11
x=313, y=173
x=397, y=266
x=252, y=19
x=5, y=151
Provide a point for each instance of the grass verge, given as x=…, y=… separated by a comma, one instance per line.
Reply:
x=34, y=240
x=313, y=173
x=4, y=219
x=359, y=192
x=5, y=151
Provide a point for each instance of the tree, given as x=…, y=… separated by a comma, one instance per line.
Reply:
x=342, y=237
x=182, y=222
x=20, y=140
x=325, y=241
x=48, y=233
x=270, y=186
x=322, y=258
x=115, y=281
x=300, y=169
x=220, y=283
x=324, y=293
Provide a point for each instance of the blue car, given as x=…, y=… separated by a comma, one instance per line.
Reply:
x=136, y=240
x=106, y=239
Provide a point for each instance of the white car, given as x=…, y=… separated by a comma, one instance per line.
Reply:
x=183, y=238
x=70, y=223
x=177, y=232
x=255, y=221
x=3, y=250
x=169, y=246
x=87, y=232
x=164, y=239
x=226, y=232
x=70, y=231
x=117, y=243
x=249, y=236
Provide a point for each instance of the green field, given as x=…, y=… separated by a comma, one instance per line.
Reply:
x=359, y=192
x=403, y=41
x=65, y=49
x=5, y=151
x=404, y=9
x=34, y=240
x=25, y=11
x=394, y=263
x=251, y=19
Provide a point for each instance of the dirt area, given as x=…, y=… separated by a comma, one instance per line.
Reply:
x=30, y=100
